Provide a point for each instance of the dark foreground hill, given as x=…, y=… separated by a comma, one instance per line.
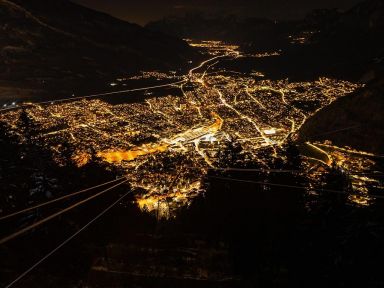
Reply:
x=43, y=43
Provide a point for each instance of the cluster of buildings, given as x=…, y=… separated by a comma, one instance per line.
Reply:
x=165, y=144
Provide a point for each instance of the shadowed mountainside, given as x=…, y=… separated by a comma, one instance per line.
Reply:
x=52, y=43
x=326, y=42
x=354, y=120
x=344, y=45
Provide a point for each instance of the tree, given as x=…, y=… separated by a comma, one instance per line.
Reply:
x=230, y=155
x=292, y=153
x=67, y=152
x=26, y=125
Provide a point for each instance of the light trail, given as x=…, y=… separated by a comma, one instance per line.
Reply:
x=266, y=139
x=254, y=98
x=202, y=64
x=322, y=152
x=147, y=139
x=202, y=154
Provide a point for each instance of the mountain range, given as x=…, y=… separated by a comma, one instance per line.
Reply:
x=343, y=45
x=57, y=43
x=327, y=42
x=355, y=46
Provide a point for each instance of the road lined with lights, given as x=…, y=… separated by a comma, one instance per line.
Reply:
x=151, y=140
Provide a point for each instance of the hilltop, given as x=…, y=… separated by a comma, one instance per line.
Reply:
x=57, y=43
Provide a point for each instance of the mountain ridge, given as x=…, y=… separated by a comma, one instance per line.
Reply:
x=56, y=44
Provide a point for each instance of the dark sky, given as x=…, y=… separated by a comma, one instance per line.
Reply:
x=142, y=11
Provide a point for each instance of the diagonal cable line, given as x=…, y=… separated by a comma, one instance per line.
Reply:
x=39, y=223
x=255, y=170
x=94, y=95
x=66, y=241
x=287, y=186
x=57, y=199
x=335, y=131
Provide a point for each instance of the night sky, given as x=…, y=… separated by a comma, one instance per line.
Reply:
x=143, y=11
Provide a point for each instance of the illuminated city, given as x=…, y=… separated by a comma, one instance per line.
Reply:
x=191, y=143
x=177, y=138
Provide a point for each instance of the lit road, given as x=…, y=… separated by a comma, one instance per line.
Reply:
x=152, y=139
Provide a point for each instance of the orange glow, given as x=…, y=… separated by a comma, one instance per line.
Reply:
x=218, y=123
x=119, y=156
x=81, y=159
